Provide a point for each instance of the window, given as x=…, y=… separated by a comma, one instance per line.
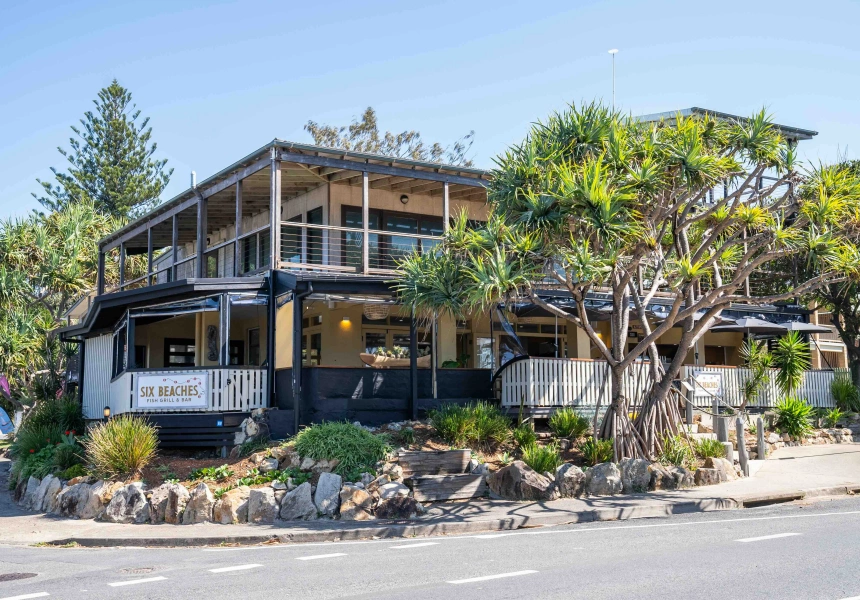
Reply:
x=120, y=346
x=315, y=217
x=373, y=340
x=212, y=264
x=291, y=241
x=484, y=352
x=237, y=353
x=140, y=361
x=255, y=252
x=254, y=347
x=179, y=352
x=311, y=357
x=353, y=240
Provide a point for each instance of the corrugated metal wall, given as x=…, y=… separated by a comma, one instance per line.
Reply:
x=97, y=375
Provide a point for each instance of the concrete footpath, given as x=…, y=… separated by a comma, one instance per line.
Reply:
x=791, y=474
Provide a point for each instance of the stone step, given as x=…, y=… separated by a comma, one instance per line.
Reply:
x=441, y=462
x=439, y=488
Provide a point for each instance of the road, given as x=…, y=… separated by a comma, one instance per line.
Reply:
x=806, y=551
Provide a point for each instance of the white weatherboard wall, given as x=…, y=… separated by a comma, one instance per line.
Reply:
x=97, y=376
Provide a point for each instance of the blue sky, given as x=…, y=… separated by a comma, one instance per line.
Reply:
x=219, y=79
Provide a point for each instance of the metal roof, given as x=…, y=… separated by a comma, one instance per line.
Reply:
x=794, y=133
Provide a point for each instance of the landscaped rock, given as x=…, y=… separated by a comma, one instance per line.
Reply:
x=355, y=504
x=80, y=501
x=232, y=507
x=635, y=475
x=200, y=505
x=374, y=484
x=279, y=485
x=366, y=478
x=725, y=467
x=128, y=504
x=30, y=491
x=570, y=480
x=105, y=490
x=268, y=464
x=262, y=506
x=298, y=505
x=518, y=481
x=481, y=469
x=327, y=494
x=325, y=466
x=603, y=480
x=49, y=499
x=39, y=497
x=706, y=476
x=773, y=438
x=392, y=489
x=394, y=471
x=171, y=508
x=20, y=488
x=81, y=479
x=669, y=477
x=307, y=463
x=398, y=507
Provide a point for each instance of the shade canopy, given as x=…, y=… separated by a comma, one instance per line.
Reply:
x=750, y=325
x=805, y=327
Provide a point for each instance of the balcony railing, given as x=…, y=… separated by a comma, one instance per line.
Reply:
x=343, y=249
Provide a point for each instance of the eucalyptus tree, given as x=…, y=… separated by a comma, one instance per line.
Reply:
x=592, y=201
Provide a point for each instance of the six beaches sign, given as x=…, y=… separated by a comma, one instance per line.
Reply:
x=172, y=391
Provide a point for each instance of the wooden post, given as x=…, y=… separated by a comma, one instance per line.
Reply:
x=365, y=221
x=413, y=366
x=236, y=254
x=446, y=208
x=297, y=358
x=759, y=433
x=121, y=265
x=149, y=270
x=224, y=330
x=201, y=237
x=275, y=218
x=100, y=281
x=175, y=244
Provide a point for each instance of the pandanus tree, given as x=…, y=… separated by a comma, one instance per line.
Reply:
x=592, y=201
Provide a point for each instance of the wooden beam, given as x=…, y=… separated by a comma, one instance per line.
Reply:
x=446, y=208
x=201, y=236
x=100, y=282
x=237, y=176
x=275, y=214
x=238, y=228
x=175, y=244
x=121, y=265
x=365, y=222
x=149, y=268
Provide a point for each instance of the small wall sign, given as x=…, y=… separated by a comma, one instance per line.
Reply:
x=709, y=384
x=179, y=390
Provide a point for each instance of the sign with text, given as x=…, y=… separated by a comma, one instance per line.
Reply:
x=175, y=390
x=709, y=384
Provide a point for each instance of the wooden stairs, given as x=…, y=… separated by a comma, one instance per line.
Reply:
x=437, y=476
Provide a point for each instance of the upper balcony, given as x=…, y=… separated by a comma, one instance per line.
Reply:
x=333, y=210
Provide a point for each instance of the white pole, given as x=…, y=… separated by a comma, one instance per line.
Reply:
x=613, y=52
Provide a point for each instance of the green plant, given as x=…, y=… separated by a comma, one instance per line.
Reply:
x=37, y=464
x=166, y=473
x=832, y=417
x=524, y=435
x=251, y=446
x=596, y=451
x=489, y=423
x=791, y=358
x=792, y=417
x=709, y=448
x=68, y=453
x=78, y=470
x=219, y=493
x=211, y=473
x=31, y=438
x=566, y=423
x=542, y=458
x=758, y=360
x=507, y=459
x=121, y=446
x=406, y=436
x=356, y=449
x=676, y=451
x=845, y=393
x=453, y=423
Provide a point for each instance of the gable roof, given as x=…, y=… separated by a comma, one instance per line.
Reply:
x=791, y=133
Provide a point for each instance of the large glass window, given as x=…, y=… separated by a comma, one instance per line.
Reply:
x=179, y=352
x=353, y=240
x=254, y=347
x=315, y=217
x=291, y=241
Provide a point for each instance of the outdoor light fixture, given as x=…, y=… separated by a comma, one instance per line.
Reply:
x=345, y=319
x=107, y=412
x=404, y=198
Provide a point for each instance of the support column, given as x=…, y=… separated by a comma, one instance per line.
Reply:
x=275, y=217
x=201, y=237
x=149, y=270
x=224, y=330
x=236, y=254
x=297, y=358
x=129, y=336
x=121, y=265
x=365, y=221
x=446, y=208
x=413, y=366
x=174, y=242
x=100, y=281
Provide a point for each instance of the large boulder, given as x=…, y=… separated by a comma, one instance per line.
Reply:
x=52, y=489
x=168, y=502
x=570, y=480
x=262, y=506
x=707, y=476
x=398, y=507
x=327, y=494
x=232, y=507
x=355, y=504
x=28, y=499
x=392, y=489
x=200, y=505
x=128, y=504
x=39, y=497
x=518, y=481
x=723, y=466
x=268, y=464
x=298, y=505
x=80, y=501
x=635, y=475
x=669, y=477
x=603, y=480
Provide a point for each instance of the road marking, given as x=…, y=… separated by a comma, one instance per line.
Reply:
x=852, y=598
x=136, y=581
x=767, y=537
x=488, y=577
x=236, y=568
x=420, y=545
x=318, y=556
x=25, y=596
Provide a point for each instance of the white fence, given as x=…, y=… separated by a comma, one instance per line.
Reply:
x=232, y=389
x=553, y=382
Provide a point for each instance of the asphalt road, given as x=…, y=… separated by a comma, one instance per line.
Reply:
x=804, y=551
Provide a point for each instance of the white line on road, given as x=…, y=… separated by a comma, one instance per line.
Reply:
x=136, y=581
x=317, y=556
x=488, y=577
x=235, y=568
x=419, y=545
x=767, y=537
x=25, y=596
x=852, y=598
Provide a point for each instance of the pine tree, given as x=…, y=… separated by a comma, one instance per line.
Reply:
x=111, y=160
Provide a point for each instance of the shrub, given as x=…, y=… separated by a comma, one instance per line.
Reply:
x=676, y=451
x=566, y=423
x=32, y=437
x=122, y=446
x=792, y=417
x=453, y=423
x=489, y=423
x=596, y=451
x=524, y=435
x=791, y=358
x=406, y=436
x=542, y=458
x=356, y=449
x=78, y=470
x=845, y=393
x=211, y=473
x=68, y=453
x=37, y=463
x=832, y=417
x=710, y=448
